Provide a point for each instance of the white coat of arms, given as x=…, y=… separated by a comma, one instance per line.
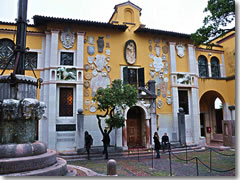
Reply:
x=67, y=38
x=180, y=50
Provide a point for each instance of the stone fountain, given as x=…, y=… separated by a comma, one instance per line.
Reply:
x=20, y=152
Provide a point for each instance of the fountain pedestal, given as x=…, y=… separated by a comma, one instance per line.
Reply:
x=20, y=153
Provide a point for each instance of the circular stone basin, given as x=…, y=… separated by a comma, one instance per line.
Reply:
x=22, y=150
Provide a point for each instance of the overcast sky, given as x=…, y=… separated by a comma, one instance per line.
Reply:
x=184, y=16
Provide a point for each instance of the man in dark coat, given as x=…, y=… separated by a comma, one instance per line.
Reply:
x=165, y=142
x=88, y=143
x=106, y=142
x=157, y=144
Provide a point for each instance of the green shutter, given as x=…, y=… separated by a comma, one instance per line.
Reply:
x=125, y=75
x=141, y=82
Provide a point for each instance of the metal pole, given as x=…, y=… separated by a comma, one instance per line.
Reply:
x=138, y=152
x=186, y=155
x=21, y=35
x=152, y=156
x=210, y=160
x=170, y=162
x=197, y=165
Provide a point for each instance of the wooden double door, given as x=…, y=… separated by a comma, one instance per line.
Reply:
x=134, y=132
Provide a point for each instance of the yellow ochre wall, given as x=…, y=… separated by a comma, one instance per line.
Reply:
x=117, y=42
x=125, y=14
x=224, y=87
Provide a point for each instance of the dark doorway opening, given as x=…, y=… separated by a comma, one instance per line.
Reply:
x=134, y=127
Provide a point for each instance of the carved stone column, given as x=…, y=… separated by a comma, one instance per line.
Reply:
x=222, y=67
x=174, y=90
x=80, y=49
x=124, y=139
x=147, y=133
x=54, y=48
x=191, y=59
x=209, y=70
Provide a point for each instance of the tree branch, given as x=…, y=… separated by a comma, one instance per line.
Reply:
x=111, y=116
x=99, y=120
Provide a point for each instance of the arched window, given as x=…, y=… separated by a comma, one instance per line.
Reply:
x=6, y=52
x=202, y=66
x=215, y=68
x=128, y=15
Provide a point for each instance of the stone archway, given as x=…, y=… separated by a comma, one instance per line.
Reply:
x=211, y=118
x=136, y=131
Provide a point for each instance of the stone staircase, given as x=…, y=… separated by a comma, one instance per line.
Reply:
x=96, y=153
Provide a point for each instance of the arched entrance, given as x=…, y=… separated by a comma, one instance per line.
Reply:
x=211, y=116
x=135, y=127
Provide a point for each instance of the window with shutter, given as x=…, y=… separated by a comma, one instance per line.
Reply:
x=133, y=76
x=141, y=77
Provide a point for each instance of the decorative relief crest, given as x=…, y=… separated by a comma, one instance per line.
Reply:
x=169, y=100
x=159, y=104
x=157, y=50
x=130, y=52
x=99, y=82
x=67, y=38
x=100, y=62
x=157, y=63
x=91, y=40
x=180, y=50
x=91, y=50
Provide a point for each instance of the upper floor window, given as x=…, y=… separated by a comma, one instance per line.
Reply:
x=66, y=58
x=31, y=60
x=134, y=76
x=202, y=66
x=215, y=67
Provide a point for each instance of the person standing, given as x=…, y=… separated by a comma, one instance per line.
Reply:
x=165, y=142
x=157, y=144
x=88, y=143
x=106, y=142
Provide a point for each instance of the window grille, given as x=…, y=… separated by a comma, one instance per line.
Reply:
x=215, y=68
x=66, y=102
x=202, y=66
x=66, y=58
x=6, y=51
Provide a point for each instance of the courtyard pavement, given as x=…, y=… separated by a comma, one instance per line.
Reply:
x=148, y=166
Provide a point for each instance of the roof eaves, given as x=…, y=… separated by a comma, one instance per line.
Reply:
x=233, y=29
x=156, y=31
x=7, y=23
x=42, y=20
